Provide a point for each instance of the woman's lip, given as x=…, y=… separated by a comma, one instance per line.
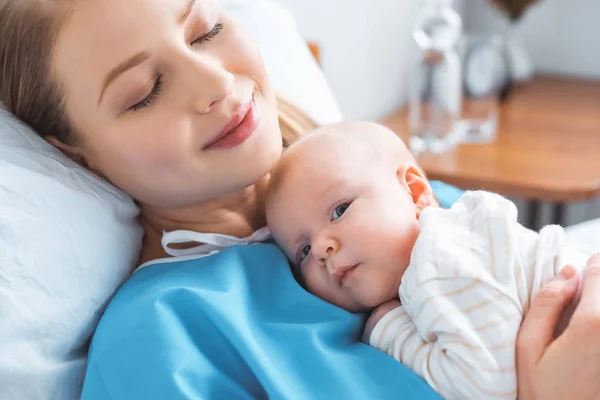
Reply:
x=241, y=126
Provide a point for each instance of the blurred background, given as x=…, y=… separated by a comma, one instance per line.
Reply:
x=367, y=50
x=366, y=46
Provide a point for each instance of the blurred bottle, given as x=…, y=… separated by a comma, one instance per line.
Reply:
x=436, y=81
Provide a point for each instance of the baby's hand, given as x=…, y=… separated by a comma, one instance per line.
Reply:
x=376, y=316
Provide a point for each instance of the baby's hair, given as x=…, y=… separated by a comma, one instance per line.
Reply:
x=375, y=140
x=375, y=137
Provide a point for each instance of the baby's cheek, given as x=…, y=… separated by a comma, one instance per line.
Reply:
x=313, y=283
x=404, y=252
x=407, y=243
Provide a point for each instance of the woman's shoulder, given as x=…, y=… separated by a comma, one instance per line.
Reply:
x=157, y=321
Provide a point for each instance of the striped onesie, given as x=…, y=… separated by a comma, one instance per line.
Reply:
x=474, y=271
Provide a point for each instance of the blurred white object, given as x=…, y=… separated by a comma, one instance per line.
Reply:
x=436, y=92
x=585, y=236
x=486, y=74
x=521, y=66
x=482, y=17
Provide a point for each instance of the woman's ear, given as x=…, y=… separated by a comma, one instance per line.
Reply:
x=75, y=153
x=71, y=151
x=417, y=186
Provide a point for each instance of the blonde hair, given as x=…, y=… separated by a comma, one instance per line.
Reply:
x=29, y=88
x=293, y=122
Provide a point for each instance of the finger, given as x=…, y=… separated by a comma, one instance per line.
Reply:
x=537, y=331
x=590, y=294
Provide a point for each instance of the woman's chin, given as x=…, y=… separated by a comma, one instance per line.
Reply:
x=263, y=164
x=256, y=160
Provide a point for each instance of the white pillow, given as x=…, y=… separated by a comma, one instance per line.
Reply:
x=68, y=239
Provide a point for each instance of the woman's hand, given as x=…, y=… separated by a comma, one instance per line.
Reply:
x=567, y=367
x=376, y=316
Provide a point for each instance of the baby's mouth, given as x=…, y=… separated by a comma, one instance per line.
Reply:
x=341, y=274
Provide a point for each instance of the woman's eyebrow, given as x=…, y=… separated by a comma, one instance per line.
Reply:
x=122, y=67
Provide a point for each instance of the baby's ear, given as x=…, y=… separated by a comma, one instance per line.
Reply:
x=417, y=186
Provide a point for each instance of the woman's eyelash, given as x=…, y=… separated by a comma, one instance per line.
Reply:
x=159, y=81
x=151, y=97
x=210, y=35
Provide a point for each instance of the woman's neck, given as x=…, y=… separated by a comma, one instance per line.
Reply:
x=239, y=214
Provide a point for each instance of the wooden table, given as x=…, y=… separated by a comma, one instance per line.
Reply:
x=547, y=149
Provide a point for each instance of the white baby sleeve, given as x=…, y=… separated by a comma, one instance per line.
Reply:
x=396, y=334
x=460, y=291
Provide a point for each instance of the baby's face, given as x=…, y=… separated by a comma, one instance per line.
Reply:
x=347, y=224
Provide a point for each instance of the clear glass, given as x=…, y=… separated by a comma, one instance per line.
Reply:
x=486, y=73
x=436, y=82
x=479, y=119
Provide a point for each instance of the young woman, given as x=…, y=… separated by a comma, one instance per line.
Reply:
x=169, y=101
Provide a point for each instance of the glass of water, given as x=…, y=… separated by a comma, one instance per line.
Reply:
x=485, y=69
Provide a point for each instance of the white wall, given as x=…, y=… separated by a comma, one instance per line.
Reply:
x=561, y=36
x=366, y=47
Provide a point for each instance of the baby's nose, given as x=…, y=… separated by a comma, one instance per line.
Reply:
x=326, y=247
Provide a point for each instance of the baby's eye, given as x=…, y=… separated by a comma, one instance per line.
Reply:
x=339, y=211
x=304, y=252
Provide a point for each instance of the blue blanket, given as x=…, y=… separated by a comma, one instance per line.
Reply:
x=236, y=325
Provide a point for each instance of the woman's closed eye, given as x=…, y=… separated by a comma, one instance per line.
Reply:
x=158, y=83
x=210, y=35
x=144, y=103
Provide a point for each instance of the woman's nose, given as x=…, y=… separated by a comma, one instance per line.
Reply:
x=210, y=83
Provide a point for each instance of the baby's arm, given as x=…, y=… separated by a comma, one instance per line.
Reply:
x=463, y=348
x=376, y=316
x=460, y=310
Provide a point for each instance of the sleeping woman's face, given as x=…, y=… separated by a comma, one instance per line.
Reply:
x=169, y=99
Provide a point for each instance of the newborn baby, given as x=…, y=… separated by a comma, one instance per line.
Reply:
x=358, y=220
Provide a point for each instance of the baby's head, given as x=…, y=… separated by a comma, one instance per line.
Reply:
x=344, y=204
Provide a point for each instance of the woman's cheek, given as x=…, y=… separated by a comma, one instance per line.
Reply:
x=243, y=56
x=165, y=139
